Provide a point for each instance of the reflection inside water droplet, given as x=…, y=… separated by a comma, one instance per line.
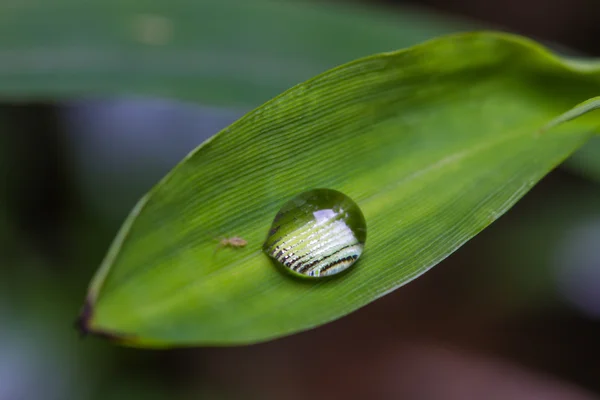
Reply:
x=318, y=233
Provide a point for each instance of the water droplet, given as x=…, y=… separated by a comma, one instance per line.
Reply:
x=318, y=233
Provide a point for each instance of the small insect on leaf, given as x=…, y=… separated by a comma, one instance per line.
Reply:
x=234, y=242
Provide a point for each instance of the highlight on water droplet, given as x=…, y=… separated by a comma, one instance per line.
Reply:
x=318, y=233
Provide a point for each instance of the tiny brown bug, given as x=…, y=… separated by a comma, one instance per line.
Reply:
x=233, y=242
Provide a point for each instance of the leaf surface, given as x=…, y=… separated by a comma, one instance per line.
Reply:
x=434, y=143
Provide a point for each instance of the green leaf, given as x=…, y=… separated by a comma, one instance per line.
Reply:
x=219, y=52
x=586, y=160
x=434, y=143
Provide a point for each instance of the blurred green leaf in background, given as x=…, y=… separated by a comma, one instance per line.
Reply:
x=215, y=52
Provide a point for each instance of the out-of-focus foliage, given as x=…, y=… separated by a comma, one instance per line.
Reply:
x=217, y=52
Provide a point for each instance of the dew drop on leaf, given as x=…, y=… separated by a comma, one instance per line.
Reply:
x=318, y=233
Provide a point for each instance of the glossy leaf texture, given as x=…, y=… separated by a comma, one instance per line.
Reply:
x=434, y=143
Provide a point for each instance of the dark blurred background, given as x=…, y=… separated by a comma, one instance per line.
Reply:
x=514, y=314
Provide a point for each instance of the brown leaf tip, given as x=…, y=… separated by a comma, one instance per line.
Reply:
x=82, y=324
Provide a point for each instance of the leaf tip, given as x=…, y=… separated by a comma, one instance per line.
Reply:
x=83, y=324
x=83, y=320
